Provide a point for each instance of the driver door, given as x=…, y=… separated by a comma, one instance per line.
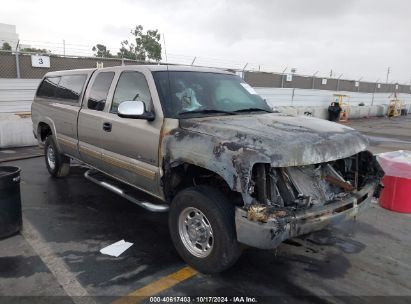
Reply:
x=130, y=146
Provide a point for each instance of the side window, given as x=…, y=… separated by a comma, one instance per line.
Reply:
x=131, y=86
x=48, y=87
x=99, y=91
x=70, y=87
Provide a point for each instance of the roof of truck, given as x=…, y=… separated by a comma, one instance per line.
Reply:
x=151, y=67
x=164, y=67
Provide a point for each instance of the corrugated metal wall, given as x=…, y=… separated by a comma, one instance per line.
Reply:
x=16, y=95
x=304, y=97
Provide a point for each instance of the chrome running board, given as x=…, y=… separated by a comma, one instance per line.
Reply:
x=146, y=205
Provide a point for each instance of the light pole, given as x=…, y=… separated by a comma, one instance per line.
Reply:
x=388, y=73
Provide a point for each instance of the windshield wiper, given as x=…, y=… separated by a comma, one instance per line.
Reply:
x=252, y=110
x=206, y=111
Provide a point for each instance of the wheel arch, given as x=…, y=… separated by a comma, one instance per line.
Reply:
x=182, y=174
x=46, y=127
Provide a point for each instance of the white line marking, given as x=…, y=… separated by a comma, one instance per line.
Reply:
x=56, y=265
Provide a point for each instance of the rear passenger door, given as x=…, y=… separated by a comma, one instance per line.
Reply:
x=90, y=121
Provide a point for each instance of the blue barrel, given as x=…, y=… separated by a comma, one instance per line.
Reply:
x=10, y=201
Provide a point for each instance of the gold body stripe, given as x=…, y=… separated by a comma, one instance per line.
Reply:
x=120, y=163
x=128, y=166
x=89, y=152
x=67, y=142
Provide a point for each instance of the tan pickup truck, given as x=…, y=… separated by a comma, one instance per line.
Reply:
x=209, y=150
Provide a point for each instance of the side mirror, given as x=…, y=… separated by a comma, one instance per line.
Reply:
x=134, y=109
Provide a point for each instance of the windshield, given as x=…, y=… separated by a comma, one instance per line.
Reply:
x=195, y=94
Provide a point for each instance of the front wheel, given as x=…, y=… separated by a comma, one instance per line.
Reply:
x=57, y=164
x=202, y=228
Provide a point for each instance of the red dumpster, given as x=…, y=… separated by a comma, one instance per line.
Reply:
x=396, y=195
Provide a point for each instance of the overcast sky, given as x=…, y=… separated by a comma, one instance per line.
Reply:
x=353, y=37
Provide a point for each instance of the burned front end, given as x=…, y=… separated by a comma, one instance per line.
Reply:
x=293, y=201
x=295, y=175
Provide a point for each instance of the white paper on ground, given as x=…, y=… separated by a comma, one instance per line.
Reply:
x=116, y=249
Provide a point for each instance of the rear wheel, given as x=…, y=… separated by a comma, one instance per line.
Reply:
x=202, y=228
x=57, y=164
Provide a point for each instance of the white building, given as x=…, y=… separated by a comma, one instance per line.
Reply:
x=9, y=34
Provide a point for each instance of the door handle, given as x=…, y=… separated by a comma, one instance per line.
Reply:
x=107, y=126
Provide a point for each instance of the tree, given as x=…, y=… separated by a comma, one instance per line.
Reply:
x=101, y=51
x=126, y=50
x=147, y=45
x=34, y=50
x=6, y=46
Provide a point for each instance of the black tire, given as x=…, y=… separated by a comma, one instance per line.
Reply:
x=61, y=166
x=220, y=214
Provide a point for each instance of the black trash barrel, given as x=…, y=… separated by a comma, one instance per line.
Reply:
x=334, y=112
x=10, y=201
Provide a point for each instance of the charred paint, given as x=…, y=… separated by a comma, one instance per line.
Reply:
x=231, y=145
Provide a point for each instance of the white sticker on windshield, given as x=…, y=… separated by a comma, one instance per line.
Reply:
x=249, y=88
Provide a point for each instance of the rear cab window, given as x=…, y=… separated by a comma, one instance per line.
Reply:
x=48, y=87
x=65, y=88
x=70, y=87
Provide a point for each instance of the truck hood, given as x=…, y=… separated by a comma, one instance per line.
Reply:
x=280, y=139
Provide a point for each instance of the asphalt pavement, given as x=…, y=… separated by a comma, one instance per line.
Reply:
x=67, y=221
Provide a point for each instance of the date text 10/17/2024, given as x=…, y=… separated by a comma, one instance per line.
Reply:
x=182, y=299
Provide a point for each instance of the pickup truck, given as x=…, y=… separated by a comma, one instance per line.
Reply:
x=230, y=171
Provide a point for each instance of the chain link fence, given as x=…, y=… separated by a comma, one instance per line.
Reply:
x=19, y=65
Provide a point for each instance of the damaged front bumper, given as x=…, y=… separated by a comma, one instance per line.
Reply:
x=269, y=234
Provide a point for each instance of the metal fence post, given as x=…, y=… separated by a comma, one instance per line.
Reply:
x=17, y=64
x=282, y=77
x=338, y=82
x=312, y=86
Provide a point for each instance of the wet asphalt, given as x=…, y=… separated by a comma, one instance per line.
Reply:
x=75, y=218
x=71, y=219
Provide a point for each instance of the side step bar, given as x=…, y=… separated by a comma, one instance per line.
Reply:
x=146, y=205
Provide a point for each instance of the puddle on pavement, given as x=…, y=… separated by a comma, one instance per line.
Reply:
x=20, y=266
x=328, y=238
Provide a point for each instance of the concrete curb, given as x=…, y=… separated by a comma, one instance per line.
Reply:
x=16, y=131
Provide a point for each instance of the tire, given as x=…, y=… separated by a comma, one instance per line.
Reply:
x=61, y=165
x=219, y=214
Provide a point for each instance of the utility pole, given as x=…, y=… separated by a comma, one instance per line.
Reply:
x=64, y=47
x=388, y=73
